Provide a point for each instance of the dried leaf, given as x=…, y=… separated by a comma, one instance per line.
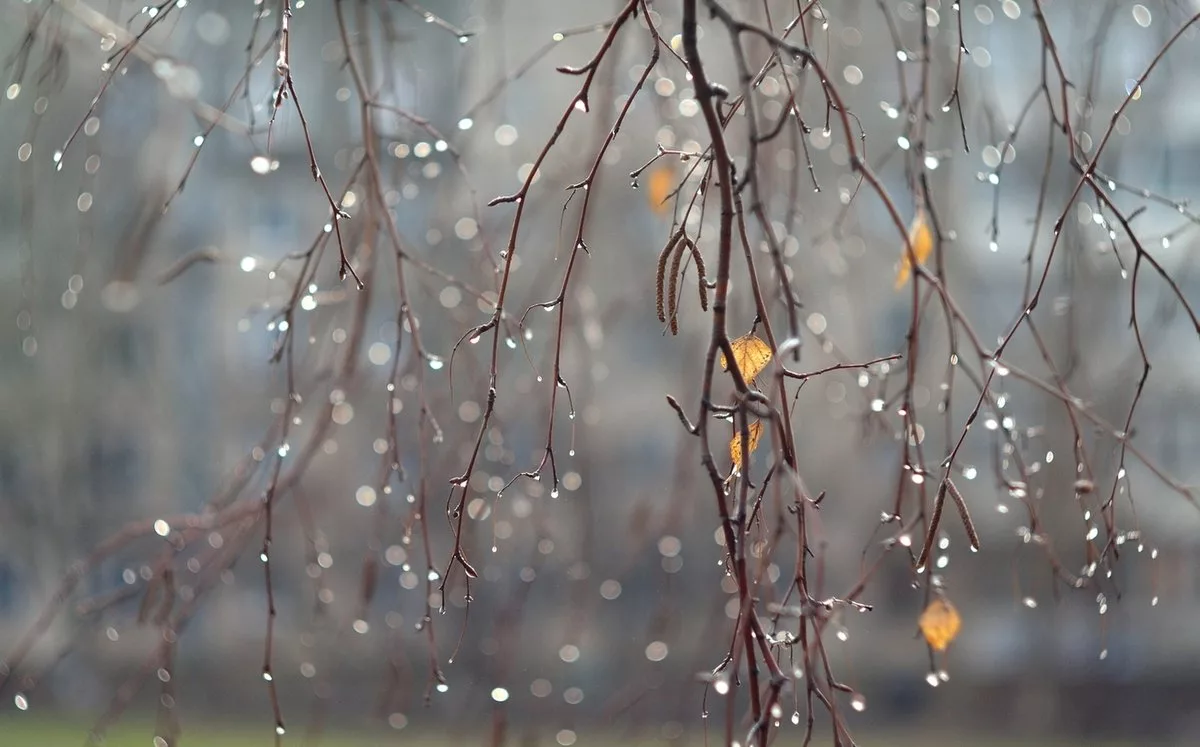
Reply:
x=940, y=623
x=921, y=239
x=735, y=446
x=751, y=355
x=660, y=184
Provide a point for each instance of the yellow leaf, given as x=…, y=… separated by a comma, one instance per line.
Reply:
x=660, y=185
x=735, y=446
x=751, y=355
x=921, y=239
x=940, y=623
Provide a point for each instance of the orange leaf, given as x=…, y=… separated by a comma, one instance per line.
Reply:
x=735, y=446
x=940, y=623
x=751, y=355
x=660, y=185
x=921, y=239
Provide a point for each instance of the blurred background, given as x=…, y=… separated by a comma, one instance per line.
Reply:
x=138, y=386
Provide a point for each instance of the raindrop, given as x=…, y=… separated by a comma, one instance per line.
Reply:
x=260, y=165
x=1141, y=15
x=656, y=651
x=991, y=156
x=506, y=135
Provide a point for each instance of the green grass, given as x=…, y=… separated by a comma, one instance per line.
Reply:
x=24, y=730
x=20, y=731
